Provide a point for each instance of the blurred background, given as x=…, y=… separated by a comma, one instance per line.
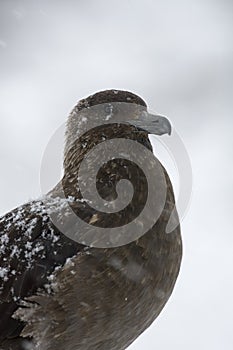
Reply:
x=178, y=56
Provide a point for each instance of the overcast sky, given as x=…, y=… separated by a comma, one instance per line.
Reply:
x=178, y=56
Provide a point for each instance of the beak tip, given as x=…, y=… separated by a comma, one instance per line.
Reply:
x=167, y=126
x=170, y=130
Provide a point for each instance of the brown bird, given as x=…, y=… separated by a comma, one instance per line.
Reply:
x=93, y=283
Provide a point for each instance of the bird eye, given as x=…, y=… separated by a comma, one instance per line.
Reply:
x=144, y=114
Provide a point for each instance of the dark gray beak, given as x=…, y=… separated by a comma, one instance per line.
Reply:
x=153, y=124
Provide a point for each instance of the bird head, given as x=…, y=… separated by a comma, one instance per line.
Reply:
x=124, y=106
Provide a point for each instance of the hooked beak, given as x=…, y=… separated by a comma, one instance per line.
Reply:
x=153, y=124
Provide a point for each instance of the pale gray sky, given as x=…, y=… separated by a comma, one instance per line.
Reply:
x=178, y=56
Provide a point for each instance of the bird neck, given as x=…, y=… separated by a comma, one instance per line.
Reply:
x=105, y=175
x=87, y=142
